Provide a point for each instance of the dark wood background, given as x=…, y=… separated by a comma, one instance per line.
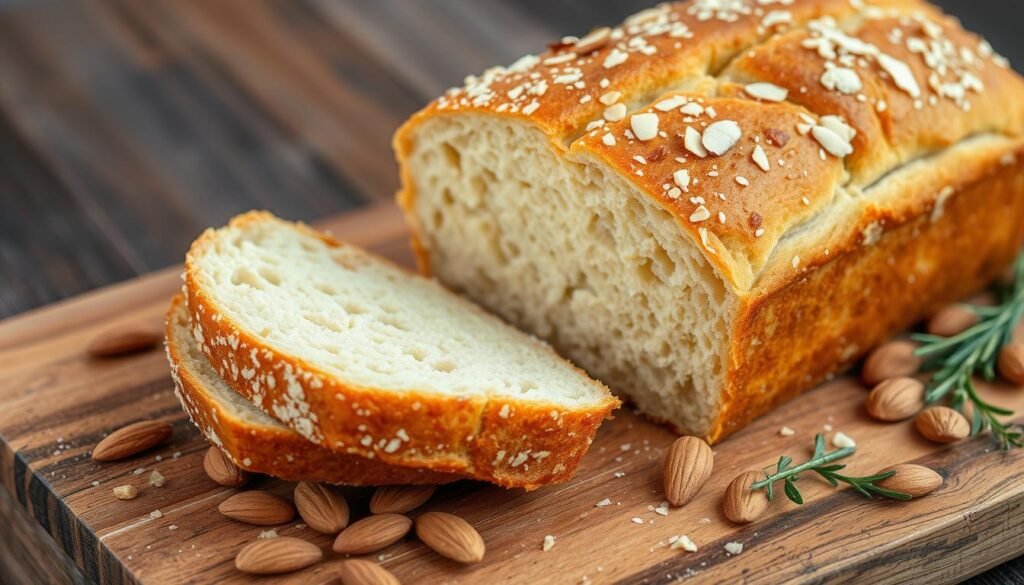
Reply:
x=127, y=126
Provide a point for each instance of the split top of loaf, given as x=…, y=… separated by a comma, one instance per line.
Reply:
x=753, y=123
x=363, y=357
x=719, y=203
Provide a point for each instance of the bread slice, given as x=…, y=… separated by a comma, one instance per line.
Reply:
x=255, y=441
x=716, y=205
x=367, y=359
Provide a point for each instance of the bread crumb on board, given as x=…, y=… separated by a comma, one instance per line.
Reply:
x=682, y=543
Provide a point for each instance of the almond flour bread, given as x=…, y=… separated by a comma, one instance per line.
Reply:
x=366, y=359
x=720, y=203
x=257, y=442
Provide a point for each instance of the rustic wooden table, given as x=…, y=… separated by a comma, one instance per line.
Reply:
x=127, y=127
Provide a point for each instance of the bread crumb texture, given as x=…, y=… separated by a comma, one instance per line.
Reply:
x=699, y=205
x=366, y=359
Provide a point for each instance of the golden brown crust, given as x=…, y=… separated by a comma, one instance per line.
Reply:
x=748, y=218
x=717, y=53
x=272, y=450
x=789, y=338
x=534, y=444
x=893, y=126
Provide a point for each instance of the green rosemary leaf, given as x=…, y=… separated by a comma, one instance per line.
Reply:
x=891, y=494
x=877, y=477
x=792, y=492
x=954, y=361
x=822, y=464
x=783, y=463
x=861, y=490
x=829, y=476
x=819, y=446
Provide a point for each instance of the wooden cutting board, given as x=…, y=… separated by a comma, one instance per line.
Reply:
x=56, y=403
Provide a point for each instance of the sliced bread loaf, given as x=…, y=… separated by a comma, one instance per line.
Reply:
x=719, y=203
x=365, y=358
x=255, y=441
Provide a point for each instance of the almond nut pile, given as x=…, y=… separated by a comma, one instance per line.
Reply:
x=326, y=511
x=321, y=508
x=897, y=395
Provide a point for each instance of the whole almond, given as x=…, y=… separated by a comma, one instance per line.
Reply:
x=273, y=556
x=914, y=480
x=942, y=425
x=322, y=508
x=688, y=466
x=360, y=572
x=257, y=508
x=450, y=536
x=952, y=320
x=123, y=340
x=222, y=470
x=400, y=499
x=742, y=504
x=891, y=360
x=372, y=534
x=132, y=440
x=1011, y=363
x=896, y=399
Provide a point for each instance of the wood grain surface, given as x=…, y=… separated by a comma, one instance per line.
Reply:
x=127, y=127
x=59, y=403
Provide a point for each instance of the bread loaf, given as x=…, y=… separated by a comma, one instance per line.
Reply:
x=257, y=442
x=366, y=359
x=720, y=203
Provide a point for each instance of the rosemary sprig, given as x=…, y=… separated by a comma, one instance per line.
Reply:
x=956, y=360
x=821, y=463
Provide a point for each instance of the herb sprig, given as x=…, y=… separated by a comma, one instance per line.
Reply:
x=821, y=463
x=956, y=360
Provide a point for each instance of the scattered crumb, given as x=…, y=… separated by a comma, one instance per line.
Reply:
x=827, y=427
x=662, y=509
x=95, y=484
x=603, y=503
x=156, y=514
x=734, y=548
x=620, y=474
x=176, y=454
x=125, y=492
x=300, y=526
x=158, y=458
x=625, y=447
x=787, y=432
x=682, y=542
x=637, y=520
x=549, y=543
x=157, y=479
x=843, y=441
x=172, y=527
x=139, y=471
x=265, y=534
